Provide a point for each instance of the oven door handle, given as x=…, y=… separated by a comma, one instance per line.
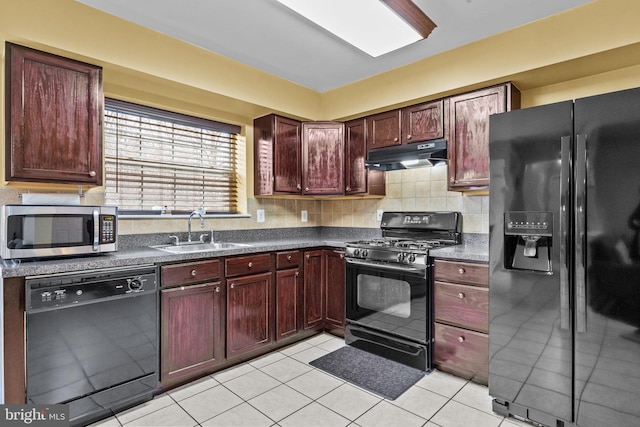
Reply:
x=400, y=268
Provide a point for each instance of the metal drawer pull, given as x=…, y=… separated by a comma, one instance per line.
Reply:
x=92, y=173
x=217, y=289
x=460, y=339
x=461, y=295
x=193, y=273
x=250, y=264
x=289, y=257
x=233, y=285
x=461, y=270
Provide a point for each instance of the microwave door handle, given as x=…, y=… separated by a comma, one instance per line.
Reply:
x=96, y=229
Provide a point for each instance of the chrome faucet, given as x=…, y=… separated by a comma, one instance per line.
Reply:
x=199, y=213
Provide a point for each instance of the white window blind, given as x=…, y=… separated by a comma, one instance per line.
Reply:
x=159, y=158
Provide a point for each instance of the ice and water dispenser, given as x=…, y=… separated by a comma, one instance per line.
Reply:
x=527, y=240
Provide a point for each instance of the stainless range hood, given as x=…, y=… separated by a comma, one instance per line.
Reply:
x=408, y=156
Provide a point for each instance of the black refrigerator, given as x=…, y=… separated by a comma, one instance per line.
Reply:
x=564, y=253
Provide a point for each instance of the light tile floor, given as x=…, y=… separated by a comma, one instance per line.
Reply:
x=282, y=389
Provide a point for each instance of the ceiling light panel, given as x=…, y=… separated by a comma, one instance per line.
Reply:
x=369, y=25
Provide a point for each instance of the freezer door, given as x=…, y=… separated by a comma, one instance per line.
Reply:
x=531, y=355
x=607, y=221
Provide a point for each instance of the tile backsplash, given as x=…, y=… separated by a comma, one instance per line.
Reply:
x=422, y=189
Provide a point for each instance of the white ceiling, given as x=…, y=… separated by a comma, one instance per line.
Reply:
x=268, y=36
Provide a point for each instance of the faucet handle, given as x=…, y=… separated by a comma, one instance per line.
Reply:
x=203, y=238
x=176, y=240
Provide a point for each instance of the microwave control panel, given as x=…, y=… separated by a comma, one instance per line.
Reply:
x=108, y=229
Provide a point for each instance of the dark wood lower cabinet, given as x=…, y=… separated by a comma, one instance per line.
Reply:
x=249, y=305
x=324, y=289
x=314, y=278
x=335, y=288
x=192, y=341
x=288, y=303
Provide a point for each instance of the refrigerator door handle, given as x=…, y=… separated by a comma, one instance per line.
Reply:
x=565, y=194
x=580, y=227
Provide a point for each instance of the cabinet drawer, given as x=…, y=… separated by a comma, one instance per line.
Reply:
x=249, y=264
x=462, y=353
x=192, y=272
x=462, y=272
x=462, y=305
x=289, y=259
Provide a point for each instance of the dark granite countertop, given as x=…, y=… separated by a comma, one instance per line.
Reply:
x=473, y=248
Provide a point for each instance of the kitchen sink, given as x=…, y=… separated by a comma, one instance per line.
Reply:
x=186, y=248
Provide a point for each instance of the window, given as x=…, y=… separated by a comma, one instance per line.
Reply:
x=156, y=159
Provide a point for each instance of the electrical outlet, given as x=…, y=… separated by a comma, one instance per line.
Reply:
x=379, y=215
x=304, y=216
x=260, y=215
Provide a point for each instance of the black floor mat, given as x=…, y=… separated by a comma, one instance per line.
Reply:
x=376, y=374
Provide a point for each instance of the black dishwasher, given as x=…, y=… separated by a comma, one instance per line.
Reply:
x=92, y=340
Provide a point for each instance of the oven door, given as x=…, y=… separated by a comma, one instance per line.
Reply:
x=393, y=299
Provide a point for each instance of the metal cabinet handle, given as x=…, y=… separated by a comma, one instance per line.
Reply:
x=233, y=285
x=216, y=289
x=193, y=273
x=297, y=273
x=250, y=264
x=289, y=257
x=461, y=270
x=460, y=339
x=92, y=173
x=298, y=187
x=461, y=295
x=306, y=189
x=408, y=136
x=307, y=256
x=395, y=139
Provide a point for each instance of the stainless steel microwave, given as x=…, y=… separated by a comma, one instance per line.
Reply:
x=42, y=231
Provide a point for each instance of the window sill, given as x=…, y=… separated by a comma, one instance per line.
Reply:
x=172, y=216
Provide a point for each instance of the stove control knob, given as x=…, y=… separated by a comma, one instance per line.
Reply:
x=365, y=253
x=401, y=257
x=356, y=252
x=412, y=257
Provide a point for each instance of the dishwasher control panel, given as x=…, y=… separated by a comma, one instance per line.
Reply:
x=61, y=290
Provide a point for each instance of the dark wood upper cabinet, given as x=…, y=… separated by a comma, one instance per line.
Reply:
x=423, y=122
x=54, y=118
x=383, y=129
x=323, y=158
x=358, y=178
x=468, y=141
x=277, y=156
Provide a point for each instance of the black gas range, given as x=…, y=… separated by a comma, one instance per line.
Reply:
x=389, y=293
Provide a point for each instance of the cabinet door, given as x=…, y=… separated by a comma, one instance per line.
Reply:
x=323, y=158
x=53, y=127
x=358, y=178
x=276, y=152
x=288, y=303
x=383, y=129
x=468, y=148
x=192, y=341
x=335, y=288
x=423, y=122
x=314, y=279
x=248, y=313
x=286, y=155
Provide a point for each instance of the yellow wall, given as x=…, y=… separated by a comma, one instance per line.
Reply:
x=588, y=50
